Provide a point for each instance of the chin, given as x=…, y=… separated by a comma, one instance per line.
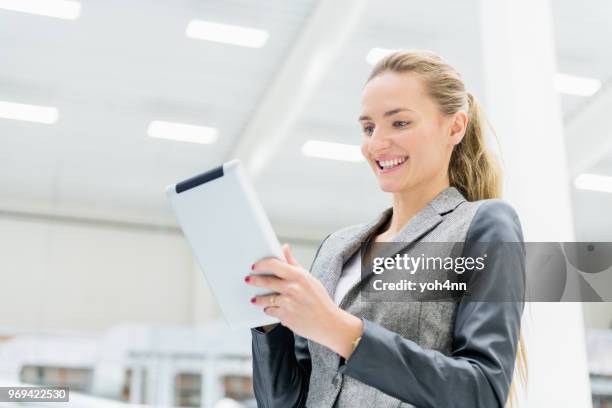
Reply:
x=390, y=187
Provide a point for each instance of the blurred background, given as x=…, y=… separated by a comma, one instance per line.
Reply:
x=105, y=103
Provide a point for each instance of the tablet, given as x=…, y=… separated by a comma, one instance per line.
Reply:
x=228, y=231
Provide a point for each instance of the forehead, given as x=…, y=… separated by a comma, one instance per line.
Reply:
x=391, y=90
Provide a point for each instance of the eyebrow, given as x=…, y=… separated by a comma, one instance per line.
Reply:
x=388, y=113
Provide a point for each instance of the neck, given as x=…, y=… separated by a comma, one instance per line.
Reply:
x=407, y=203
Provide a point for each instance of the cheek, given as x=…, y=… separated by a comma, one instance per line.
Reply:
x=411, y=141
x=426, y=143
x=430, y=156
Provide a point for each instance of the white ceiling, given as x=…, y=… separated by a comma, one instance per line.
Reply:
x=123, y=64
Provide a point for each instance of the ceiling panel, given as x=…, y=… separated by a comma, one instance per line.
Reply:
x=110, y=73
x=123, y=64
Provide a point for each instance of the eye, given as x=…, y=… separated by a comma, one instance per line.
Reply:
x=401, y=123
x=368, y=130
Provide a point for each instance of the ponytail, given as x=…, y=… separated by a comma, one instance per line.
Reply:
x=472, y=169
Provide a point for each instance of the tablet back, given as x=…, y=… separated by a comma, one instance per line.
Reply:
x=228, y=231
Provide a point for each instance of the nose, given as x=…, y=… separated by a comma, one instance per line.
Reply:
x=378, y=141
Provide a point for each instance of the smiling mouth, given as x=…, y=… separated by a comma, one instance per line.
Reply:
x=390, y=164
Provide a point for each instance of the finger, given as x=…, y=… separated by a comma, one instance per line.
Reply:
x=275, y=266
x=272, y=311
x=266, y=281
x=289, y=256
x=266, y=300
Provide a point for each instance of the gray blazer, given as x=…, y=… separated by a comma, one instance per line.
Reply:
x=412, y=354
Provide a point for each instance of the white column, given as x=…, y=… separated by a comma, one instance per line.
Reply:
x=136, y=384
x=518, y=51
x=151, y=381
x=164, y=381
x=211, y=389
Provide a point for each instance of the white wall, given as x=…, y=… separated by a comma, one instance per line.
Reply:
x=89, y=277
x=83, y=276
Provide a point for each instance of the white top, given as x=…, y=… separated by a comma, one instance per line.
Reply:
x=351, y=274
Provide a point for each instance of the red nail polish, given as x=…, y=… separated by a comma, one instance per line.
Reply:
x=247, y=278
x=253, y=300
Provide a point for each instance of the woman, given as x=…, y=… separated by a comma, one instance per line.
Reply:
x=423, y=139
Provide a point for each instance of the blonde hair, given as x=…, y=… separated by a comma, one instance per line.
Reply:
x=472, y=169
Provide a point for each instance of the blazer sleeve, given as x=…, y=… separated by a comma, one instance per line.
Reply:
x=281, y=365
x=478, y=372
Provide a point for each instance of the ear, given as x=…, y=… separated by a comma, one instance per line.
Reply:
x=458, y=127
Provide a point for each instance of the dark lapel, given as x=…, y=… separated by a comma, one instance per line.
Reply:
x=348, y=241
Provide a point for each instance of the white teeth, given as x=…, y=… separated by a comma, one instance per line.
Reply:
x=391, y=163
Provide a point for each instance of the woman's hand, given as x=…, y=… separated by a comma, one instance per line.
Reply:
x=302, y=304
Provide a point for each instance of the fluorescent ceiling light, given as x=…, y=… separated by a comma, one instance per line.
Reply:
x=333, y=151
x=594, y=182
x=574, y=85
x=28, y=113
x=182, y=132
x=228, y=34
x=376, y=54
x=69, y=10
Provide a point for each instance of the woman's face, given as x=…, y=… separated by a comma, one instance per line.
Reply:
x=406, y=139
